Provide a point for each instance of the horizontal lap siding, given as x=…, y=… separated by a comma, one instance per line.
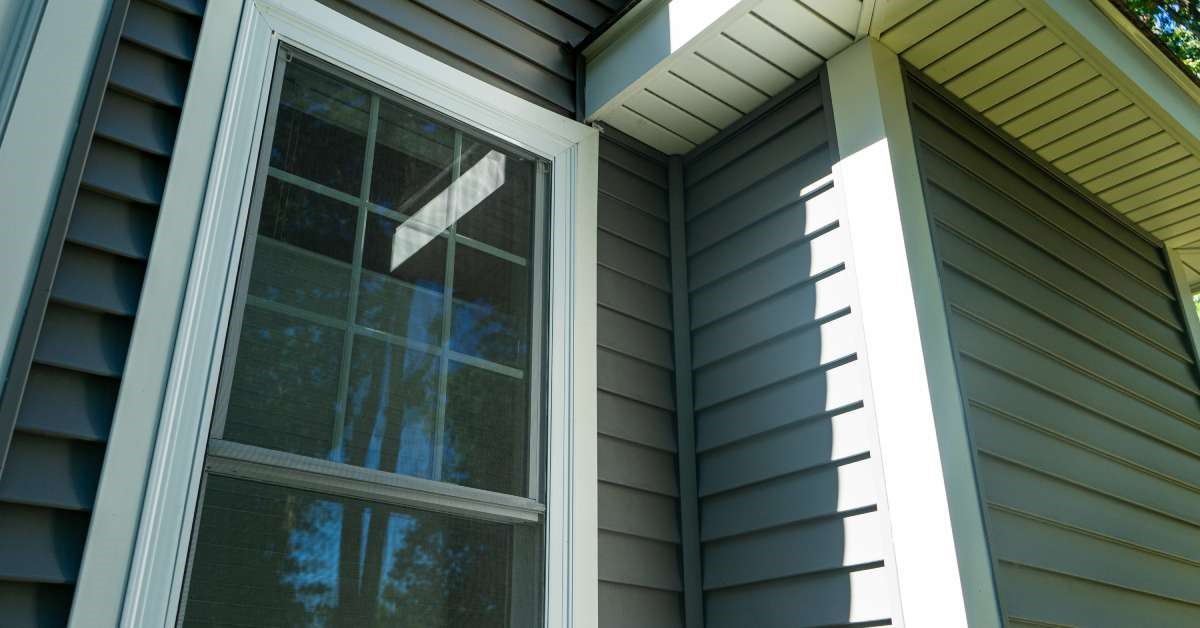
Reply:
x=521, y=46
x=790, y=530
x=640, y=580
x=48, y=484
x=1079, y=382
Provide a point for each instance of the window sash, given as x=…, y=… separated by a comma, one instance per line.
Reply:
x=479, y=502
x=174, y=455
x=297, y=471
x=321, y=476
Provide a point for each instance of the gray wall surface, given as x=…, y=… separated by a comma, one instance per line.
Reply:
x=789, y=526
x=48, y=483
x=640, y=581
x=522, y=46
x=1079, y=381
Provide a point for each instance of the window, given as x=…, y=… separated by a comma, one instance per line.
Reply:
x=375, y=456
x=381, y=398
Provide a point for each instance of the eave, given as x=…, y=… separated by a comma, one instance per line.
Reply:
x=676, y=73
x=1070, y=80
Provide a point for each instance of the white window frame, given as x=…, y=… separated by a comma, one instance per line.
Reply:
x=153, y=589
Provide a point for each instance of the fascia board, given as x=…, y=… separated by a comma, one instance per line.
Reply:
x=1136, y=72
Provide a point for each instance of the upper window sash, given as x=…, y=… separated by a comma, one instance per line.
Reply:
x=153, y=590
x=510, y=346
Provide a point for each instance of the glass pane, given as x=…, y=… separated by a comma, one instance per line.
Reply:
x=304, y=249
x=413, y=159
x=321, y=129
x=401, y=296
x=270, y=556
x=505, y=218
x=353, y=344
x=491, y=308
x=487, y=430
x=390, y=421
x=284, y=392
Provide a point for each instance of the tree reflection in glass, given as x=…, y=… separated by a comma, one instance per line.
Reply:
x=302, y=559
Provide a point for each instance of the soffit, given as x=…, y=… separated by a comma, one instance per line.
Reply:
x=1020, y=72
x=1019, y=63
x=758, y=49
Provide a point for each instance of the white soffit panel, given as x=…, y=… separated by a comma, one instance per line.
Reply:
x=1026, y=69
x=683, y=70
x=680, y=75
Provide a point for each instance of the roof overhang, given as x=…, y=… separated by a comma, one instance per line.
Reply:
x=675, y=73
x=1072, y=80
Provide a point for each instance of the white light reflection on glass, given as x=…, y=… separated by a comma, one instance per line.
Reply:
x=443, y=210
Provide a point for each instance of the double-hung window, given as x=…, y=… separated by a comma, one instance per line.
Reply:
x=375, y=454
x=381, y=404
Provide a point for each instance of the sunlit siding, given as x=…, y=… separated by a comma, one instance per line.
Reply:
x=791, y=534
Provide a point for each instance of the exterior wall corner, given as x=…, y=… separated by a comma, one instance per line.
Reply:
x=943, y=567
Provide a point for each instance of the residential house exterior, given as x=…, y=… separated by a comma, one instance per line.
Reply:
x=596, y=313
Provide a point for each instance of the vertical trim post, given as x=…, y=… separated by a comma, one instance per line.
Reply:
x=99, y=593
x=943, y=567
x=685, y=420
x=19, y=21
x=1191, y=320
x=37, y=138
x=56, y=235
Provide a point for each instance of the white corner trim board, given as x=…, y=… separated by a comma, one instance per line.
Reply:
x=36, y=142
x=100, y=586
x=19, y=22
x=153, y=591
x=943, y=568
x=1177, y=270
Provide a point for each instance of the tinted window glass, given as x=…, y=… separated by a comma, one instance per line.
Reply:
x=273, y=557
x=385, y=332
x=364, y=301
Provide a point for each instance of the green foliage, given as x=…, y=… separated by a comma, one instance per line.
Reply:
x=1176, y=23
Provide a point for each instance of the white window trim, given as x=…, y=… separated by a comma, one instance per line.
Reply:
x=152, y=593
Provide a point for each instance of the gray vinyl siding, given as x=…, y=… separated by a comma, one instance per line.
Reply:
x=48, y=483
x=1079, y=383
x=521, y=46
x=789, y=526
x=639, y=540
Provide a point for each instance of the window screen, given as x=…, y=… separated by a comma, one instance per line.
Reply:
x=374, y=457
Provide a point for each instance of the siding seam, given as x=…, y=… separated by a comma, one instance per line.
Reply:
x=685, y=418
